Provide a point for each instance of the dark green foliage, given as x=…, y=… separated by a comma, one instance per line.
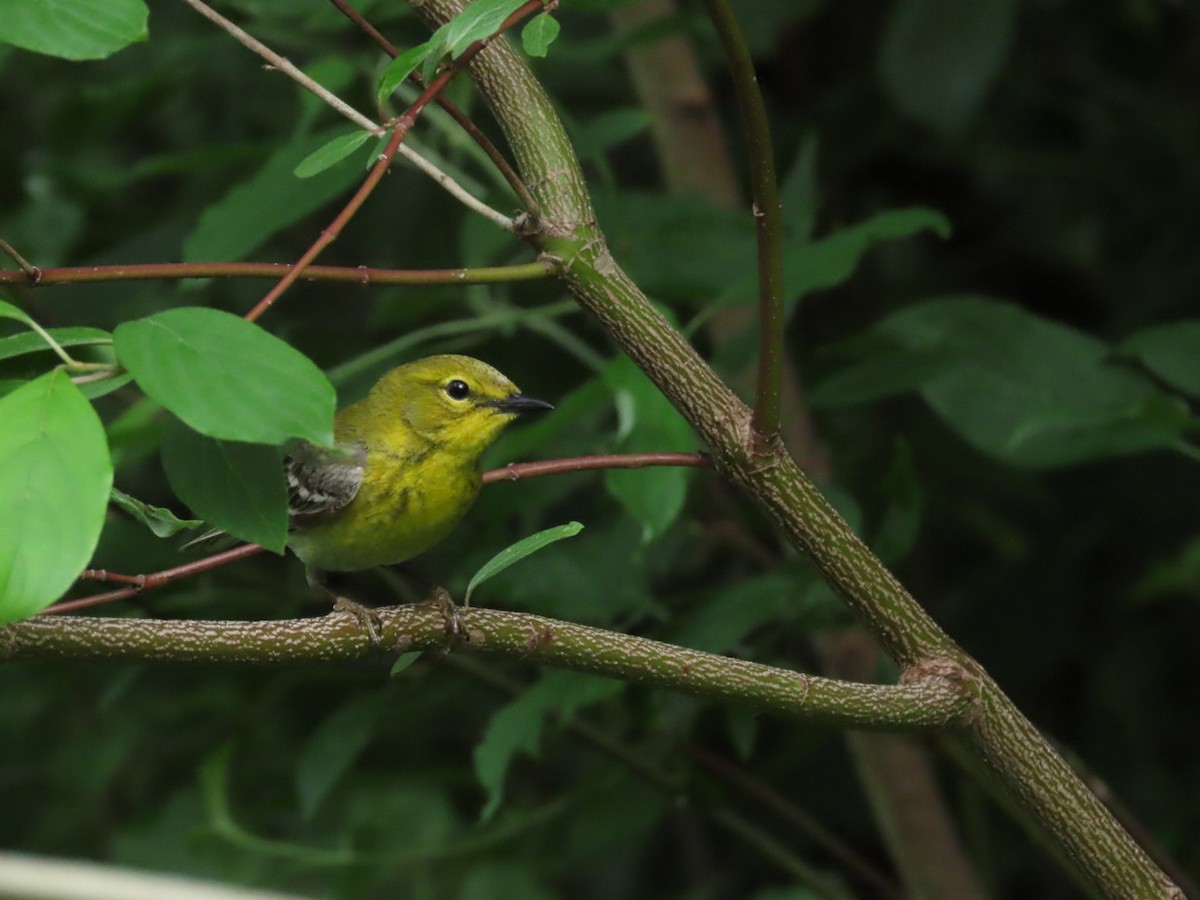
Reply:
x=991, y=218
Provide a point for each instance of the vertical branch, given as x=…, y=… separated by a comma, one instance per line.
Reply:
x=767, y=218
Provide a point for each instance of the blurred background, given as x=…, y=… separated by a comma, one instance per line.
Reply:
x=991, y=210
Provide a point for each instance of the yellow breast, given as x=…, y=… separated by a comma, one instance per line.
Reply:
x=406, y=504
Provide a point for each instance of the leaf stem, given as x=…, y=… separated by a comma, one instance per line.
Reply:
x=30, y=270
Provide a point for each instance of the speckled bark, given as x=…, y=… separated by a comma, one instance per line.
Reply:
x=339, y=637
x=1021, y=760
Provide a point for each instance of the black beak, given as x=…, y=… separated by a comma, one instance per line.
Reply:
x=519, y=403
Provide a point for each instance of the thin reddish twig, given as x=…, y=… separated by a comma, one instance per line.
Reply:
x=399, y=132
x=141, y=583
x=499, y=160
x=512, y=472
x=517, y=471
x=351, y=274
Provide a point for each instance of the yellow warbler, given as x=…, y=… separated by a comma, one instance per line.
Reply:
x=407, y=465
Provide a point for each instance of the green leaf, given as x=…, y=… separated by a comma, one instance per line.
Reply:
x=161, y=521
x=94, y=389
x=403, y=661
x=940, y=57
x=331, y=154
x=73, y=29
x=901, y=524
x=333, y=747
x=238, y=488
x=226, y=377
x=267, y=202
x=478, y=21
x=400, y=68
x=32, y=342
x=1171, y=351
x=55, y=475
x=1026, y=390
x=682, y=247
x=437, y=50
x=719, y=621
x=610, y=129
x=518, y=551
x=539, y=34
x=654, y=495
x=518, y=726
x=798, y=193
x=8, y=311
x=831, y=260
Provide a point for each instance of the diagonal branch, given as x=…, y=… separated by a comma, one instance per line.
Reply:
x=1102, y=853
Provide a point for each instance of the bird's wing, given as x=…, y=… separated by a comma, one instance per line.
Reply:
x=321, y=482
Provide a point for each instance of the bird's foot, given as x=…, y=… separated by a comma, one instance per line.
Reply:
x=445, y=604
x=367, y=618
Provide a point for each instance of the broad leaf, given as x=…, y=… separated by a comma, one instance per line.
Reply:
x=237, y=224
x=238, y=488
x=1018, y=387
x=55, y=476
x=940, y=57
x=539, y=34
x=73, y=29
x=478, y=21
x=518, y=726
x=1172, y=352
x=226, y=377
x=333, y=747
x=653, y=495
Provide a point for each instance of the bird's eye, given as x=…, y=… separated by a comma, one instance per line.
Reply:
x=458, y=389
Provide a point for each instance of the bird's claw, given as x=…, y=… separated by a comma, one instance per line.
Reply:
x=367, y=618
x=449, y=610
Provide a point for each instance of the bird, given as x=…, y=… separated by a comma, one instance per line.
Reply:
x=405, y=466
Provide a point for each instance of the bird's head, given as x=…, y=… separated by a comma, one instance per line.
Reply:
x=455, y=401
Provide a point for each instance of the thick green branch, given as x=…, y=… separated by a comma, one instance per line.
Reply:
x=928, y=702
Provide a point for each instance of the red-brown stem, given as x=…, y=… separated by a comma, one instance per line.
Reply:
x=517, y=471
x=349, y=274
x=511, y=472
x=399, y=132
x=473, y=131
x=153, y=580
x=366, y=27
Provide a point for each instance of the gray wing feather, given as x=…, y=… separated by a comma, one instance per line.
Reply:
x=321, y=482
